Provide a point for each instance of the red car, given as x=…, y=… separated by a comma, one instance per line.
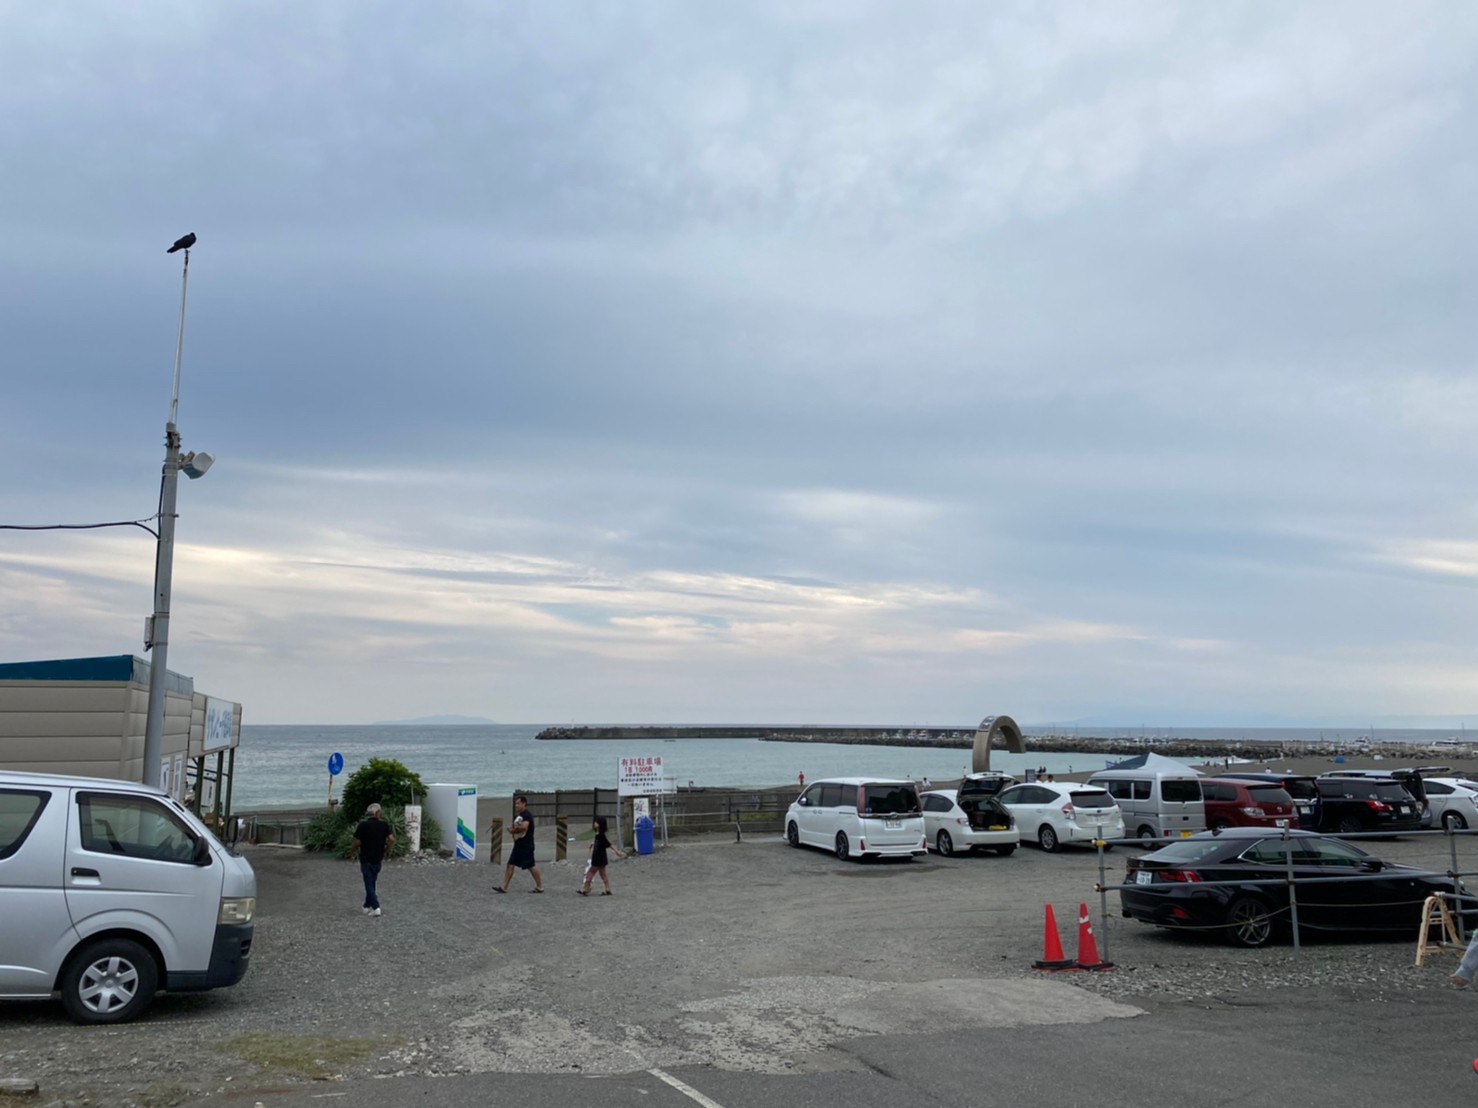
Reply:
x=1234, y=803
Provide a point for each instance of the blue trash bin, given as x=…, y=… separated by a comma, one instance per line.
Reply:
x=644, y=834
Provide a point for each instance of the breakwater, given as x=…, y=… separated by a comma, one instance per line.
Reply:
x=963, y=738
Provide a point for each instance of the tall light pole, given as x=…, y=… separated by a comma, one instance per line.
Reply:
x=156, y=636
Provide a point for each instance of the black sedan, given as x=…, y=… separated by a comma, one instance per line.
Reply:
x=1340, y=887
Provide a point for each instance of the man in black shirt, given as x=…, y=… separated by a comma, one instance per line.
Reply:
x=373, y=839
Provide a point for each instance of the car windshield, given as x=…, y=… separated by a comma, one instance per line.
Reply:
x=1186, y=851
x=1269, y=794
x=1180, y=791
x=1092, y=798
x=890, y=800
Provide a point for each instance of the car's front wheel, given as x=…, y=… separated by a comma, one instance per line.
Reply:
x=109, y=981
x=793, y=834
x=1249, y=922
x=945, y=844
x=1047, y=839
x=843, y=848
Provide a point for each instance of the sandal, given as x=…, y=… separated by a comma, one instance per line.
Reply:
x=606, y=893
x=499, y=889
x=536, y=890
x=583, y=892
x=1457, y=982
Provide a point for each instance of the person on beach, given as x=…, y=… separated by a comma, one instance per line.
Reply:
x=600, y=849
x=522, y=855
x=373, y=839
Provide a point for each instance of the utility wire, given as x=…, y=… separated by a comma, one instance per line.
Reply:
x=143, y=523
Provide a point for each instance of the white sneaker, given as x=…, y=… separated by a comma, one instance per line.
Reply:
x=368, y=911
x=375, y=912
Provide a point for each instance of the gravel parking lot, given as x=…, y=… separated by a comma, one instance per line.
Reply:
x=744, y=956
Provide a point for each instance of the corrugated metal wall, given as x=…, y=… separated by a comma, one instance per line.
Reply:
x=86, y=728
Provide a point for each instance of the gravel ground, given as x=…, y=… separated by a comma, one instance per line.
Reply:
x=746, y=956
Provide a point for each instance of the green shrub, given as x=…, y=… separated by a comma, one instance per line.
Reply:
x=333, y=832
x=380, y=781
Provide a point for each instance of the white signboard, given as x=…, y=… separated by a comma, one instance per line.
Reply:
x=220, y=716
x=641, y=806
x=639, y=776
x=413, y=826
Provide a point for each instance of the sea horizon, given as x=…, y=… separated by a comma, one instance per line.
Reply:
x=285, y=765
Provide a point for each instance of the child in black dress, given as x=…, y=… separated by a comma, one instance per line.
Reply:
x=599, y=858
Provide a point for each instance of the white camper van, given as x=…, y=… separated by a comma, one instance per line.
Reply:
x=1160, y=797
x=111, y=891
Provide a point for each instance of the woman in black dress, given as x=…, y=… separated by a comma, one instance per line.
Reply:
x=522, y=855
x=600, y=849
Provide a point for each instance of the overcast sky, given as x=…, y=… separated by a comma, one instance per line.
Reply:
x=794, y=362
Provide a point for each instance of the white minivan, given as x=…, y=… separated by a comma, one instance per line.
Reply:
x=1160, y=797
x=858, y=817
x=111, y=891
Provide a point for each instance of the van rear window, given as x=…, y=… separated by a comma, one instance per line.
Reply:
x=1175, y=791
x=1092, y=798
x=19, y=811
x=890, y=800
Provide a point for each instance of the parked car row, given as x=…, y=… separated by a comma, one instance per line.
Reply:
x=1146, y=798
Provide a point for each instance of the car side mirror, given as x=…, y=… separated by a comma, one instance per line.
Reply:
x=803, y=802
x=1374, y=865
x=201, y=857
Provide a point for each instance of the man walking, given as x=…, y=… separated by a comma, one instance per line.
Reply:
x=522, y=855
x=373, y=839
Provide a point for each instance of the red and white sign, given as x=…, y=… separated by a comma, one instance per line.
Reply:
x=640, y=776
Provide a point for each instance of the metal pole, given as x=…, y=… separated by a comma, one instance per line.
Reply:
x=164, y=564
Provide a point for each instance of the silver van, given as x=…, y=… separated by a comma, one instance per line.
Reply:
x=858, y=817
x=1160, y=799
x=111, y=891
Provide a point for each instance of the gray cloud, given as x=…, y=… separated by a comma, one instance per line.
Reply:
x=790, y=361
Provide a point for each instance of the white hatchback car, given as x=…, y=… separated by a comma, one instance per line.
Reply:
x=1454, y=801
x=972, y=824
x=1054, y=813
x=858, y=817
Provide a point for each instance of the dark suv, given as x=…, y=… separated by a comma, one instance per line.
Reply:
x=1353, y=804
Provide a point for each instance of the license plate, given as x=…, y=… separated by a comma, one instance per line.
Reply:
x=999, y=827
x=892, y=823
x=1186, y=834
x=1144, y=877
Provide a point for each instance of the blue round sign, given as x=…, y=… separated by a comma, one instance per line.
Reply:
x=335, y=764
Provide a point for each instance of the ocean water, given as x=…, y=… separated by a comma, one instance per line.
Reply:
x=287, y=766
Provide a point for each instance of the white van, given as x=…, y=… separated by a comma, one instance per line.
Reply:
x=858, y=817
x=111, y=891
x=1160, y=797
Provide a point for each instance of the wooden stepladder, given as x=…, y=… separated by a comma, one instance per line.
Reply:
x=1435, y=912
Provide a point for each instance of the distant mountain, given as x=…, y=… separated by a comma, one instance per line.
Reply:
x=436, y=721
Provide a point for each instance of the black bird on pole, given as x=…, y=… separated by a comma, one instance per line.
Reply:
x=182, y=243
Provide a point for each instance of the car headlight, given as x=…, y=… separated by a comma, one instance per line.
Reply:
x=237, y=909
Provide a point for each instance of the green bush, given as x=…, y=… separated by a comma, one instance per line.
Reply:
x=380, y=781
x=333, y=832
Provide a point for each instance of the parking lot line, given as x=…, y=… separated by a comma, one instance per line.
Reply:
x=686, y=1090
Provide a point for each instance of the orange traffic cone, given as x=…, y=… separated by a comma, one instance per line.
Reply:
x=1052, y=958
x=1087, y=945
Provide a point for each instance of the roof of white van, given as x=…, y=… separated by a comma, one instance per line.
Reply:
x=19, y=779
